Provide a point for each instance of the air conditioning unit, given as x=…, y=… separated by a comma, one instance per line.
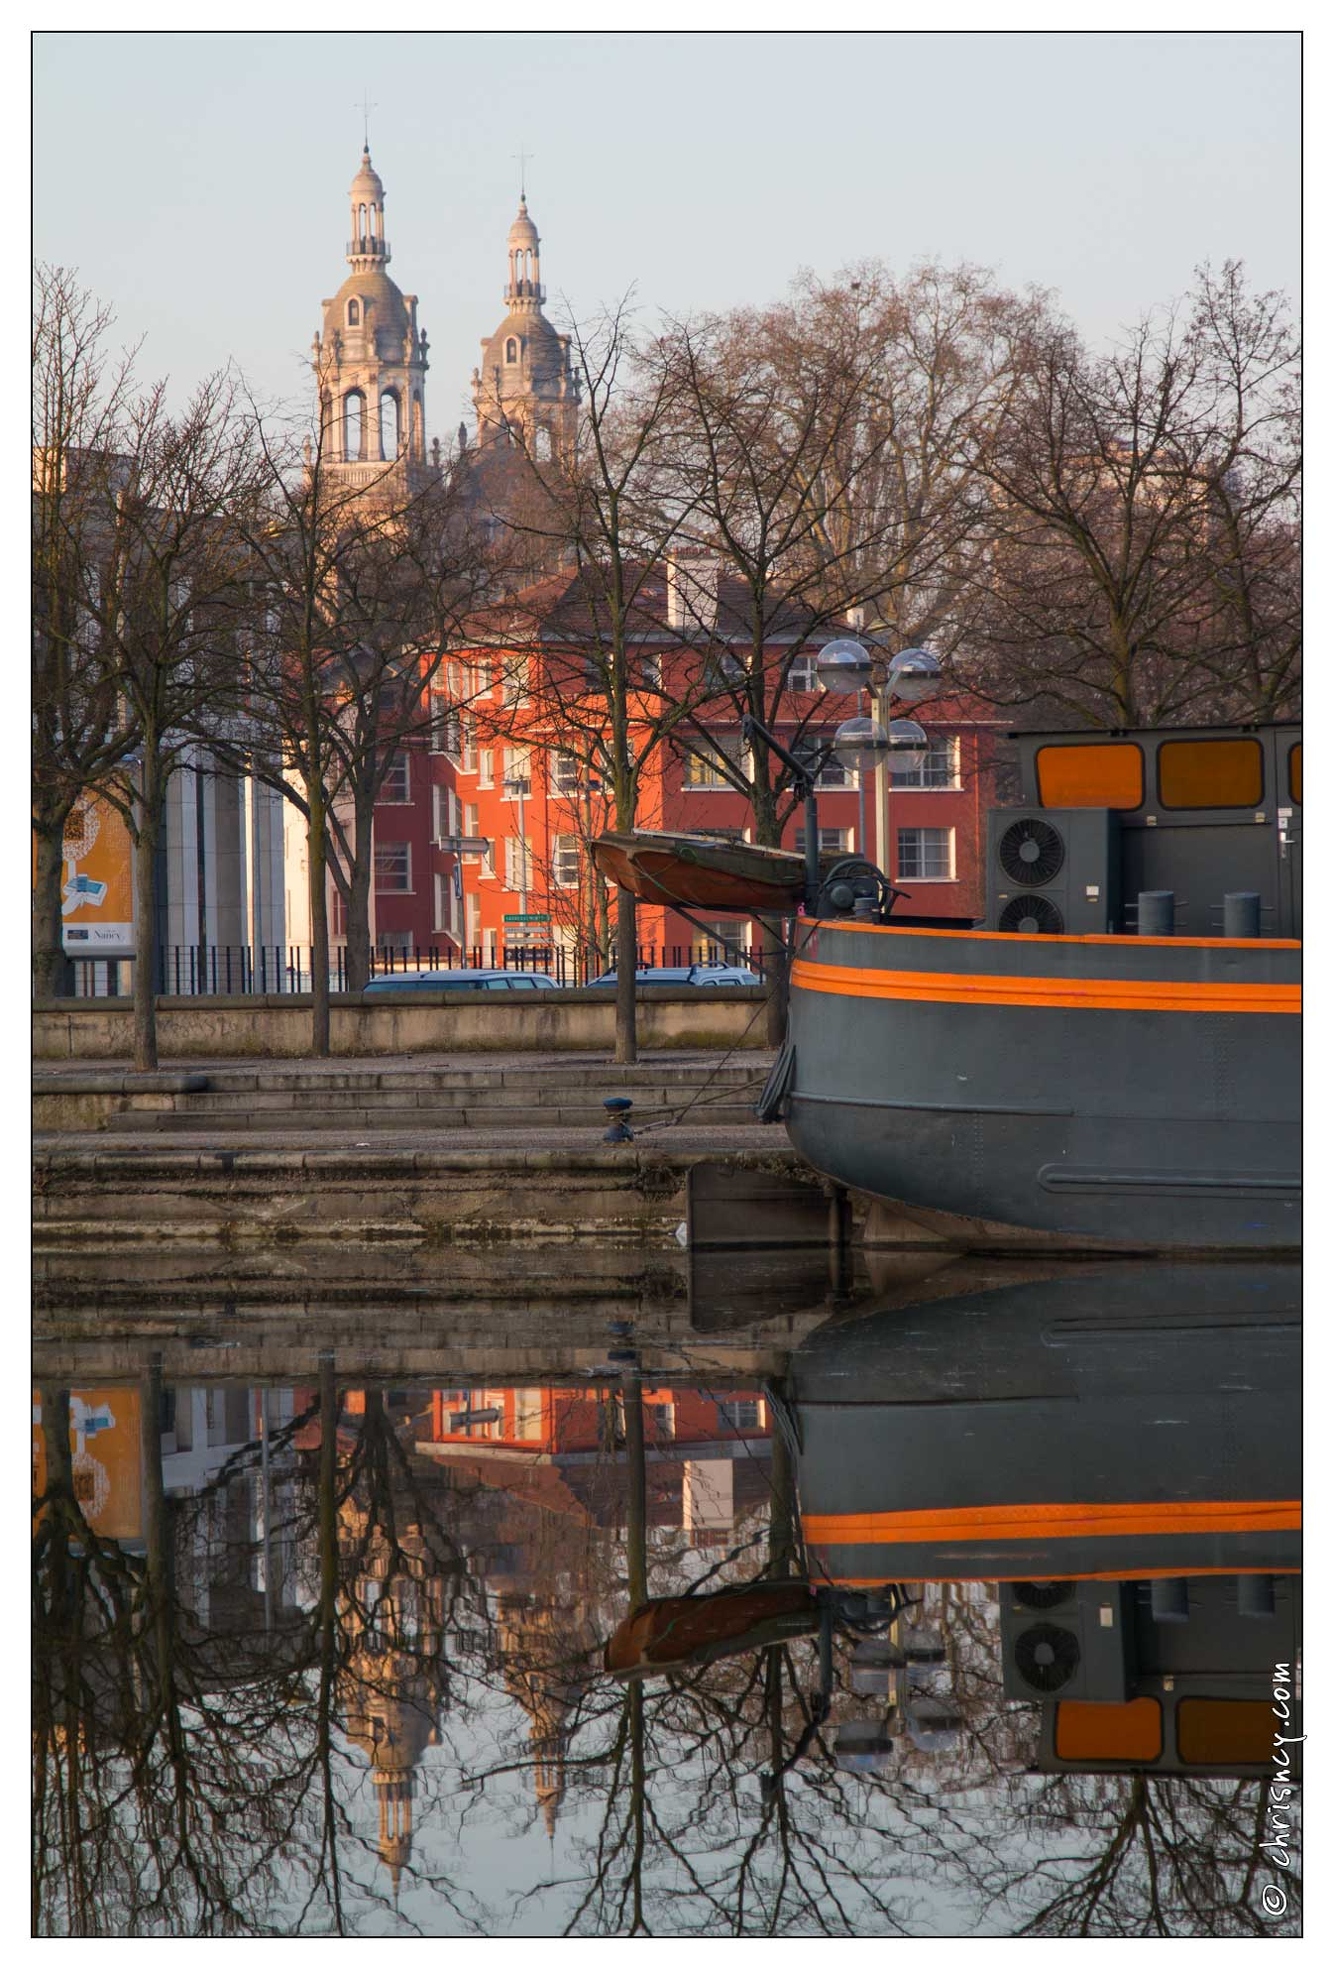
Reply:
x=1077, y=1642
x=1054, y=871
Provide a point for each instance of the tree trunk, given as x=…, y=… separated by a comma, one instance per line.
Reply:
x=151, y=801
x=627, y=954
x=53, y=973
x=316, y=857
x=359, y=898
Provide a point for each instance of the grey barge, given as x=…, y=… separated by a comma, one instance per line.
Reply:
x=1057, y=1076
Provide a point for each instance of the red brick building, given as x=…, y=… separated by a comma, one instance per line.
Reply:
x=512, y=759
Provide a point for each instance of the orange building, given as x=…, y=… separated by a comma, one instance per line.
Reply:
x=516, y=760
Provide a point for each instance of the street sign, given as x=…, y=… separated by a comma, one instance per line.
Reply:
x=462, y=844
x=527, y=918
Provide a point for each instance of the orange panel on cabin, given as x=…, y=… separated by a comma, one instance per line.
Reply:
x=1109, y=1732
x=1199, y=773
x=1090, y=776
x=1212, y=1731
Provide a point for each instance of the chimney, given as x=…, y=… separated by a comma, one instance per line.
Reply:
x=692, y=590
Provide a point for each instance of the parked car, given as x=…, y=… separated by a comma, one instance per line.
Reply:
x=396, y=982
x=686, y=974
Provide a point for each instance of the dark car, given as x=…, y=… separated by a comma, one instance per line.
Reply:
x=686, y=974
x=397, y=982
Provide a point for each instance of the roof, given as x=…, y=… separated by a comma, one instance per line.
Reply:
x=570, y=607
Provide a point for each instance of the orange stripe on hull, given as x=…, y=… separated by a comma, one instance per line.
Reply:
x=1141, y=1572
x=1012, y=1521
x=1081, y=994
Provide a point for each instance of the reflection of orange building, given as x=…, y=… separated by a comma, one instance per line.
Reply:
x=105, y=1447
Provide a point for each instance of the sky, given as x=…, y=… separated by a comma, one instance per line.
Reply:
x=198, y=182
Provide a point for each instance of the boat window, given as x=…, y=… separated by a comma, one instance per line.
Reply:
x=1090, y=776
x=1295, y=773
x=1210, y=772
x=1218, y=1732
x=1109, y=1732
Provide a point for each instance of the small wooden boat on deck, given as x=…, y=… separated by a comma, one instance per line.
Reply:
x=701, y=872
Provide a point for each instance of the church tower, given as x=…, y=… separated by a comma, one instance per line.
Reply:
x=370, y=359
x=525, y=390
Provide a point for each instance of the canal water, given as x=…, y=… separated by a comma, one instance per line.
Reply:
x=968, y=1596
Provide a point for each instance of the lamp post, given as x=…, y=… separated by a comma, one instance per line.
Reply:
x=520, y=785
x=908, y=678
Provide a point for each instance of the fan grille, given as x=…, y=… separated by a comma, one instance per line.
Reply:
x=1031, y=852
x=1033, y=916
x=1039, y=1594
x=1047, y=1657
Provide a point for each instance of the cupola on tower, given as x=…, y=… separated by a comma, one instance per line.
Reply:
x=525, y=391
x=370, y=359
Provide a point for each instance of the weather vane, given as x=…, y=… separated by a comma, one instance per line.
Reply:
x=366, y=106
x=525, y=157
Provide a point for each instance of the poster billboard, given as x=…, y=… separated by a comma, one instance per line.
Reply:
x=104, y=1443
x=98, y=891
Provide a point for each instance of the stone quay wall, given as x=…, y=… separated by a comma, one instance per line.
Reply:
x=277, y=1027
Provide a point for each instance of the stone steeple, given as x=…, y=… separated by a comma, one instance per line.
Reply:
x=525, y=391
x=370, y=358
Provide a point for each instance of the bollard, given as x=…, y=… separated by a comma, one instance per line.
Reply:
x=618, y=1107
x=1157, y=913
x=1241, y=914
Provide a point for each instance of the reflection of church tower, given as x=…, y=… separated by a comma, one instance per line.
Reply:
x=391, y=1685
x=370, y=362
x=544, y=1649
x=525, y=388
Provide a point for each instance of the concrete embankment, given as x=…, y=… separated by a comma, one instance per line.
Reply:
x=277, y=1027
x=90, y=1188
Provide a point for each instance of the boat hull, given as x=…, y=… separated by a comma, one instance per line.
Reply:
x=1129, y=1421
x=695, y=872
x=1100, y=1091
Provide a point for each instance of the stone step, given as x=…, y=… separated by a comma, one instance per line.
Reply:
x=589, y=1117
x=422, y=1079
x=443, y=1100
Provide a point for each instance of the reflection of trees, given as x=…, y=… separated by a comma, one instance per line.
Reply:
x=189, y=1775
x=205, y=1746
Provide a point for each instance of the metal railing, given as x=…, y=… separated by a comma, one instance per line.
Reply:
x=243, y=970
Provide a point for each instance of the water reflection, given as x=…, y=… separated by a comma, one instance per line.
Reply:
x=959, y=1619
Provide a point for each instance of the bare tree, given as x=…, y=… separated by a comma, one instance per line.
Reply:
x=590, y=687
x=81, y=428
x=172, y=616
x=1143, y=563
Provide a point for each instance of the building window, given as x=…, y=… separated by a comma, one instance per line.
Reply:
x=353, y=314
x=447, y=905
x=472, y=920
x=511, y=350
x=937, y=767
x=926, y=854
x=337, y=914
x=564, y=773
x=565, y=861
x=511, y=686
x=518, y=864
x=486, y=772
x=705, y=767
x=467, y=744
x=650, y=673
x=396, y=787
x=835, y=773
x=739, y=1415
x=444, y=814
x=437, y=728
x=833, y=841
x=393, y=868
x=517, y=772
x=801, y=676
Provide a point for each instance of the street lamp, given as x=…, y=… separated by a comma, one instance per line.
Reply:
x=908, y=678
